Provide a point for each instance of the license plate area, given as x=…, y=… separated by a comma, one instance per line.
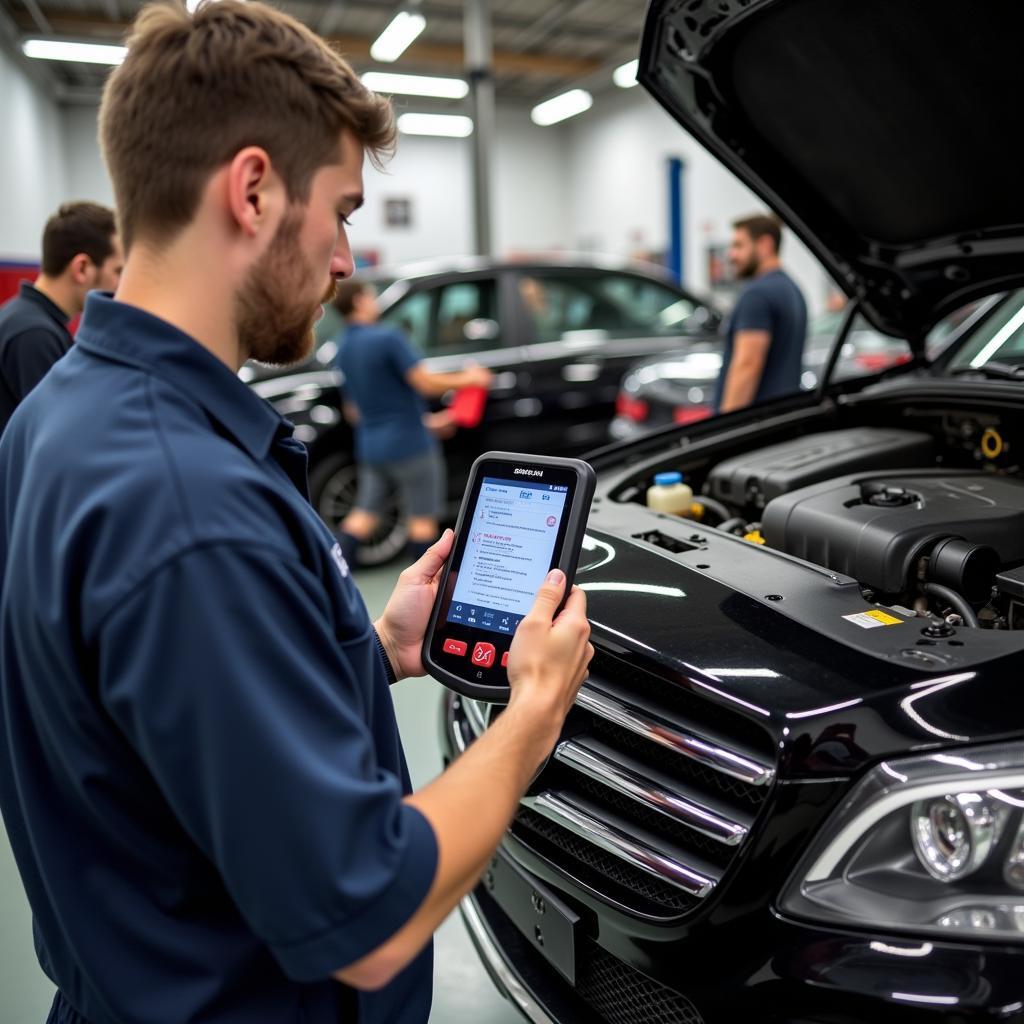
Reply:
x=545, y=921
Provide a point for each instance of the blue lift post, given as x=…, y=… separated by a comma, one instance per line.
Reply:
x=675, y=257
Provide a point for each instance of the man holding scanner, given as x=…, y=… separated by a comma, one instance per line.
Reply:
x=203, y=782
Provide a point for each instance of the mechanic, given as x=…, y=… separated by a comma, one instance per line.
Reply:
x=765, y=334
x=202, y=778
x=386, y=384
x=81, y=251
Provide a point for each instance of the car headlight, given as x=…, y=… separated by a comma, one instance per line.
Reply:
x=926, y=844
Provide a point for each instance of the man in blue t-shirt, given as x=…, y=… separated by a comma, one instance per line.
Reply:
x=385, y=387
x=764, y=336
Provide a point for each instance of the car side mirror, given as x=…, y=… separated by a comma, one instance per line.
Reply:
x=481, y=329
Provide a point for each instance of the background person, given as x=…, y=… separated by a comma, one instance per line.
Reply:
x=202, y=778
x=395, y=443
x=81, y=251
x=765, y=333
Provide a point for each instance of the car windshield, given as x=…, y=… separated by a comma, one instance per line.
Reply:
x=998, y=339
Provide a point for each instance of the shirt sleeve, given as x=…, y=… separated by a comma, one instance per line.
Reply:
x=28, y=356
x=225, y=674
x=401, y=353
x=753, y=313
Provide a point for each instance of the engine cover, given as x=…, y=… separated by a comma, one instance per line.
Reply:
x=874, y=528
x=754, y=478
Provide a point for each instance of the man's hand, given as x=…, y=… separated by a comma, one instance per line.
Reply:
x=475, y=376
x=405, y=618
x=549, y=659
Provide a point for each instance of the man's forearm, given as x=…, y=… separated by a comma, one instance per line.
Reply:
x=469, y=807
x=740, y=387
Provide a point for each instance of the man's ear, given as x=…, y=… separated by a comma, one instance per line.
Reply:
x=255, y=191
x=81, y=268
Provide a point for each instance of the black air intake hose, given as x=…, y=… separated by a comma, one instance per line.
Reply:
x=955, y=601
x=969, y=569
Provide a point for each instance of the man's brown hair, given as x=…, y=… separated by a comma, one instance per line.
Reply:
x=760, y=225
x=77, y=228
x=195, y=89
x=346, y=295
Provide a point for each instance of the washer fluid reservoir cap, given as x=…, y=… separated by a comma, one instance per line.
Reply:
x=668, y=479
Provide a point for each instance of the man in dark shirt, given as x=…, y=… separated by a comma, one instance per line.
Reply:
x=201, y=775
x=81, y=252
x=766, y=331
x=386, y=384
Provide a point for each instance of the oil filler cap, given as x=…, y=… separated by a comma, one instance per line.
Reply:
x=891, y=497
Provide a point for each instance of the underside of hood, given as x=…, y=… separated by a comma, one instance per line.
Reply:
x=886, y=133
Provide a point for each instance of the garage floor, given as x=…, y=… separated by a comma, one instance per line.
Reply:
x=462, y=991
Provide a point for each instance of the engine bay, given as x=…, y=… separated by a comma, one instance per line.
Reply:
x=928, y=522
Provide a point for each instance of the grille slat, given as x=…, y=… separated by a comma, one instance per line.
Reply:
x=642, y=851
x=650, y=725
x=628, y=778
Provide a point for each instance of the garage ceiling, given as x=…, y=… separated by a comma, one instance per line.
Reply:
x=541, y=47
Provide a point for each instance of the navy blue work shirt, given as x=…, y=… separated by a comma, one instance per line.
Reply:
x=772, y=303
x=375, y=359
x=201, y=772
x=33, y=336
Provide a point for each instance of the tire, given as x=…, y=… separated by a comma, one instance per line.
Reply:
x=332, y=492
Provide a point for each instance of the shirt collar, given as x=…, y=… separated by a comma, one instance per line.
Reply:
x=27, y=290
x=126, y=334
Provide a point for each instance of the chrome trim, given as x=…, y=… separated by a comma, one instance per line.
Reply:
x=477, y=715
x=630, y=783
x=455, y=730
x=574, y=817
x=658, y=730
x=506, y=982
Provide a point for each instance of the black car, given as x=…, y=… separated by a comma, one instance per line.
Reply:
x=792, y=789
x=557, y=335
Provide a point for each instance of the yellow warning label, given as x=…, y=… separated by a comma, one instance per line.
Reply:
x=883, y=617
x=873, y=619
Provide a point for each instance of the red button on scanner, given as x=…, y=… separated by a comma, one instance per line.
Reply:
x=483, y=655
x=454, y=647
x=504, y=660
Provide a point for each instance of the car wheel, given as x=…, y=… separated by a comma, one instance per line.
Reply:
x=332, y=491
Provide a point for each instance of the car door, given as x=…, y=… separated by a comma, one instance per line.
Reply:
x=584, y=327
x=454, y=320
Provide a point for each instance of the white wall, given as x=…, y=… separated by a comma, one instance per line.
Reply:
x=86, y=172
x=31, y=165
x=618, y=184
x=528, y=201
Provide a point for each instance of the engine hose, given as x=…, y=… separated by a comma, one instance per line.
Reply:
x=714, y=506
x=731, y=525
x=954, y=600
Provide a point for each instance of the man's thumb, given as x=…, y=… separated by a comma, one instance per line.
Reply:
x=550, y=594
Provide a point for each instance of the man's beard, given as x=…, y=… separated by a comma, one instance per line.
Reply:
x=745, y=271
x=272, y=327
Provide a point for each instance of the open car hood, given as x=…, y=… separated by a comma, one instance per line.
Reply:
x=886, y=133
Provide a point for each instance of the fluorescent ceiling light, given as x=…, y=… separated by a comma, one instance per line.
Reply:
x=416, y=85
x=456, y=126
x=625, y=76
x=82, y=53
x=395, y=39
x=569, y=104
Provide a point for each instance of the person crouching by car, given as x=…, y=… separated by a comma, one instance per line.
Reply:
x=764, y=336
x=385, y=389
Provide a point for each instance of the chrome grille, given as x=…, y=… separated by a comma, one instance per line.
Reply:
x=646, y=779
